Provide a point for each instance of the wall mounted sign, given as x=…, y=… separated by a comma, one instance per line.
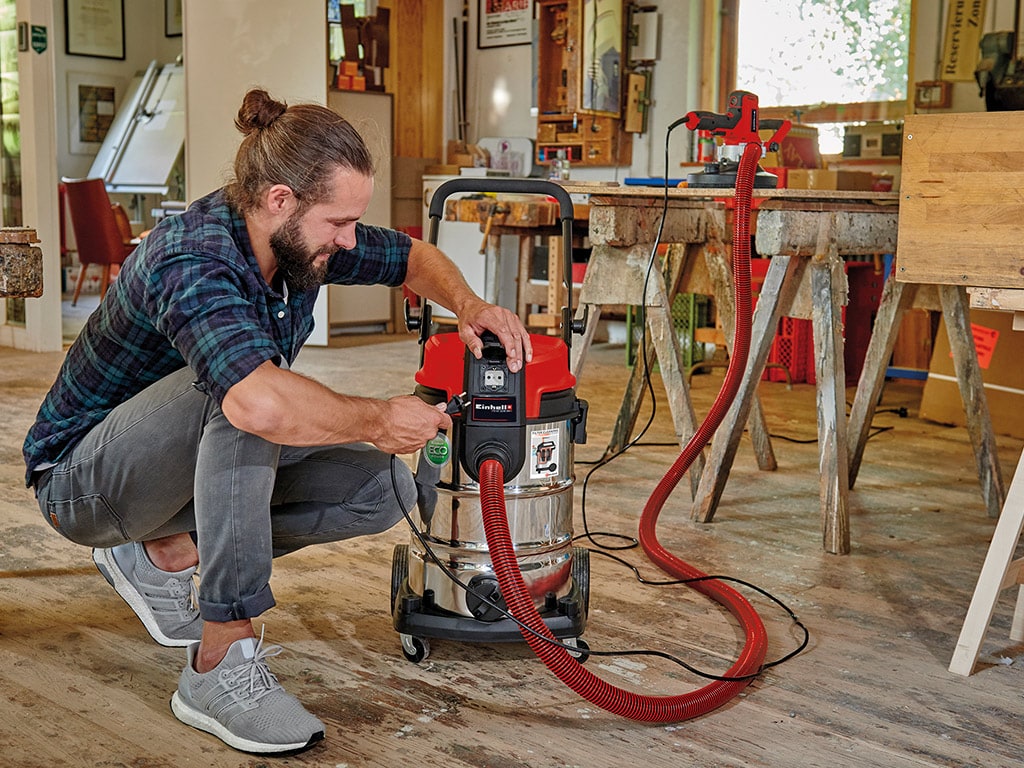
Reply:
x=504, y=22
x=964, y=19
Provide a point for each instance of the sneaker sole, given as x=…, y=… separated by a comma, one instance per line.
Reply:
x=197, y=719
x=104, y=560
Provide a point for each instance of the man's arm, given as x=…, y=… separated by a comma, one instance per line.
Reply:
x=287, y=408
x=432, y=274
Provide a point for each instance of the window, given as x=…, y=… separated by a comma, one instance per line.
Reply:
x=827, y=63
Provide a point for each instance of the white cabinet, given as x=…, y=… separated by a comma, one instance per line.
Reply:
x=362, y=307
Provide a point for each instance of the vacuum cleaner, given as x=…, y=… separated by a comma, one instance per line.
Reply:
x=528, y=421
x=510, y=477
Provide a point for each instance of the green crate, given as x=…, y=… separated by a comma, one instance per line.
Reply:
x=689, y=311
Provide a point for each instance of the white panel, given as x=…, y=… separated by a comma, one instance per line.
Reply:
x=370, y=114
x=230, y=47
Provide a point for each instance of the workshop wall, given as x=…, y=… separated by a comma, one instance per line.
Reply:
x=500, y=81
x=501, y=90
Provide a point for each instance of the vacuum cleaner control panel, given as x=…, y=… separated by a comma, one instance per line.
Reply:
x=495, y=420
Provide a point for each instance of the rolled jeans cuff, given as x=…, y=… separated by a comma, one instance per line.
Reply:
x=247, y=607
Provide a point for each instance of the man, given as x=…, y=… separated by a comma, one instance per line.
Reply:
x=176, y=437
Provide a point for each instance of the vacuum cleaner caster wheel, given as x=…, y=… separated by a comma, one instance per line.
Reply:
x=582, y=652
x=416, y=649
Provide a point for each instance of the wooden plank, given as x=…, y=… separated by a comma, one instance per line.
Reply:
x=639, y=222
x=897, y=298
x=776, y=296
x=503, y=211
x=718, y=264
x=961, y=185
x=795, y=232
x=601, y=193
x=972, y=389
x=997, y=298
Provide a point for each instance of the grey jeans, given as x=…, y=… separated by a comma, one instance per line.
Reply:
x=168, y=461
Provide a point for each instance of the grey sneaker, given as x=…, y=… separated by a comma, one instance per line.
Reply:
x=165, y=601
x=241, y=703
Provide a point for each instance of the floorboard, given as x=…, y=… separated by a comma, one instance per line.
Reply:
x=83, y=684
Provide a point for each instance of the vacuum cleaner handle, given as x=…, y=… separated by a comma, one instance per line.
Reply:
x=516, y=186
x=499, y=186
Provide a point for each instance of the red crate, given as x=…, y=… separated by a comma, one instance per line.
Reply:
x=793, y=345
x=791, y=348
x=858, y=319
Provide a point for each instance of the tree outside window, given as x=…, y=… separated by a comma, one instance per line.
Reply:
x=830, y=62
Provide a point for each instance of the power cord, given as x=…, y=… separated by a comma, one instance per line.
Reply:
x=591, y=651
x=640, y=359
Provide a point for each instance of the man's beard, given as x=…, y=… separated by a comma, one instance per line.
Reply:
x=294, y=259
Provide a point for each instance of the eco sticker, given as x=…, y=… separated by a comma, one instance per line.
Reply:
x=438, y=450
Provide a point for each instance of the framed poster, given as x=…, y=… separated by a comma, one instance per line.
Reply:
x=92, y=104
x=504, y=22
x=172, y=18
x=94, y=28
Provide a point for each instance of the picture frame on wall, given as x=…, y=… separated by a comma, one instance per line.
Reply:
x=94, y=28
x=504, y=22
x=93, y=100
x=172, y=18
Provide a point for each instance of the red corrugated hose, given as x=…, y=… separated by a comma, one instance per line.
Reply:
x=647, y=708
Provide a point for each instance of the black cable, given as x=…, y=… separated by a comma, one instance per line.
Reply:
x=590, y=651
x=640, y=359
x=760, y=590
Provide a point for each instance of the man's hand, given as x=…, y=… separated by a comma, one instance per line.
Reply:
x=479, y=316
x=409, y=423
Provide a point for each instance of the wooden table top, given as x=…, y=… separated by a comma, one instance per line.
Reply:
x=612, y=190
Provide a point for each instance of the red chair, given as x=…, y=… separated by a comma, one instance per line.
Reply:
x=102, y=230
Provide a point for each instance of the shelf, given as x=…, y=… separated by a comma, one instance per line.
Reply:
x=562, y=123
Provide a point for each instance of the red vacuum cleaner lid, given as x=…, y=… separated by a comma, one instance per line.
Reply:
x=444, y=359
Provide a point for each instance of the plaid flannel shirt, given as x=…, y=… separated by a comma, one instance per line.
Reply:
x=192, y=294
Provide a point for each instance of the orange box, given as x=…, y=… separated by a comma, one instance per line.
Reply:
x=350, y=68
x=359, y=83
x=343, y=82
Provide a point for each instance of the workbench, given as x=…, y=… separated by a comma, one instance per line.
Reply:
x=806, y=233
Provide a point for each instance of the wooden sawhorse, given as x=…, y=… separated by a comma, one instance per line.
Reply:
x=1000, y=571
x=624, y=223
x=952, y=300
x=806, y=239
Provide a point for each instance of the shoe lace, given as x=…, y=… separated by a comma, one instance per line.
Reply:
x=256, y=675
x=185, y=594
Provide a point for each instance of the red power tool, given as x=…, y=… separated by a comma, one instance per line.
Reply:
x=737, y=127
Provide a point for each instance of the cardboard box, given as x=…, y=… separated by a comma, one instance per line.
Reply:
x=407, y=176
x=826, y=178
x=1000, y=350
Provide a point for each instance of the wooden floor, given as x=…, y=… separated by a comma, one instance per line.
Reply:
x=84, y=686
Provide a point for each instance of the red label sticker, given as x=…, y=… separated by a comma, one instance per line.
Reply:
x=984, y=343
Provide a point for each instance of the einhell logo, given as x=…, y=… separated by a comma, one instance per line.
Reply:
x=493, y=409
